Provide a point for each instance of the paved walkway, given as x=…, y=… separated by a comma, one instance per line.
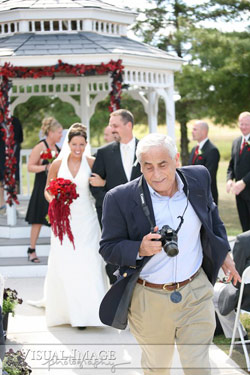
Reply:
x=69, y=351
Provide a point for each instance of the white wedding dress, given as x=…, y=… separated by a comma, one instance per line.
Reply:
x=76, y=280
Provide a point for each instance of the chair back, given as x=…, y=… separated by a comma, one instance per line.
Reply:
x=246, y=276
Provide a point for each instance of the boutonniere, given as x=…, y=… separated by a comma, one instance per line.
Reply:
x=199, y=152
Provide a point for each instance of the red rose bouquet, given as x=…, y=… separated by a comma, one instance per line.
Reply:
x=59, y=208
x=49, y=155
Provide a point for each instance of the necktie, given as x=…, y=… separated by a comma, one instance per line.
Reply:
x=195, y=154
x=242, y=146
x=127, y=161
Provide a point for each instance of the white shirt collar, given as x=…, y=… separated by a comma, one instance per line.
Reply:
x=245, y=137
x=130, y=144
x=201, y=144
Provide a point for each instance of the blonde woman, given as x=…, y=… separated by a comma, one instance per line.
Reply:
x=40, y=165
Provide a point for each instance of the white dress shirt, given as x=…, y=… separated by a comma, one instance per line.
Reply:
x=161, y=268
x=127, y=155
x=201, y=144
x=245, y=138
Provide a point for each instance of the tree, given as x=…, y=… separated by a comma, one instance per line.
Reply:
x=173, y=26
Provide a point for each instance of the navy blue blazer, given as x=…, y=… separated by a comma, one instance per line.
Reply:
x=125, y=224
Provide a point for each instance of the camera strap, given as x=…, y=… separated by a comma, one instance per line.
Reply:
x=145, y=206
x=186, y=190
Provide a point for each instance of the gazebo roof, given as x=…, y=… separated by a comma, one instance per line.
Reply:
x=82, y=43
x=58, y=4
x=40, y=32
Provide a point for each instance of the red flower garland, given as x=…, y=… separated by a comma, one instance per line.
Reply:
x=64, y=192
x=8, y=137
x=8, y=71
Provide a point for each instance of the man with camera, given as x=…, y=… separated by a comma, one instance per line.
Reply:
x=164, y=232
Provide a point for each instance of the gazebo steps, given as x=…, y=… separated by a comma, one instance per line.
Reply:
x=20, y=267
x=20, y=230
x=17, y=247
x=13, y=257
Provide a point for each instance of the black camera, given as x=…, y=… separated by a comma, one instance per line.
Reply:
x=168, y=240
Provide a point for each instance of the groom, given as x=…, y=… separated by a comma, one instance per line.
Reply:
x=115, y=163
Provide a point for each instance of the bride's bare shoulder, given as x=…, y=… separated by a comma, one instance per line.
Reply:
x=56, y=164
x=90, y=160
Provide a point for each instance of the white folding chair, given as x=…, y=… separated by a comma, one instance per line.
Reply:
x=245, y=280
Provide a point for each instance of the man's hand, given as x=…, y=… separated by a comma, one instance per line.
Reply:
x=238, y=187
x=230, y=271
x=149, y=247
x=229, y=185
x=96, y=180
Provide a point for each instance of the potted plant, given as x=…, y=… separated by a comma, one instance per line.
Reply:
x=10, y=300
x=14, y=364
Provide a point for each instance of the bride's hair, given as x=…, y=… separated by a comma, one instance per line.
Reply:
x=49, y=124
x=77, y=129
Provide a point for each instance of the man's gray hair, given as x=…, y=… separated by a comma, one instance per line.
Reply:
x=156, y=140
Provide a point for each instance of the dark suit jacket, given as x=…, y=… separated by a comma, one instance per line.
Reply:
x=239, y=166
x=210, y=158
x=228, y=298
x=108, y=165
x=124, y=226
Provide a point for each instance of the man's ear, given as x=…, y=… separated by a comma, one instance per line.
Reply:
x=129, y=124
x=177, y=160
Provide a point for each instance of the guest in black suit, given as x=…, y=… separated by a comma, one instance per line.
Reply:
x=115, y=163
x=167, y=299
x=205, y=153
x=226, y=295
x=238, y=172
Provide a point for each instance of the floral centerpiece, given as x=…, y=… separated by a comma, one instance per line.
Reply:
x=10, y=300
x=14, y=364
x=49, y=155
x=64, y=192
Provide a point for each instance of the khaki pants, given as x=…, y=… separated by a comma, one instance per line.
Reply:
x=157, y=324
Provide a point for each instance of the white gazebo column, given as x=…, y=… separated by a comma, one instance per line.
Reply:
x=152, y=110
x=168, y=97
x=84, y=104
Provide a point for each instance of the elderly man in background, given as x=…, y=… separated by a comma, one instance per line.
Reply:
x=205, y=153
x=238, y=172
x=165, y=284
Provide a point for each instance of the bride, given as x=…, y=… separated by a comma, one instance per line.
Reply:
x=76, y=281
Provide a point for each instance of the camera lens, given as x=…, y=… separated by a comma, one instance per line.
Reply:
x=171, y=249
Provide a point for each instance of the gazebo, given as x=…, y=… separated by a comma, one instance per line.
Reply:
x=85, y=44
